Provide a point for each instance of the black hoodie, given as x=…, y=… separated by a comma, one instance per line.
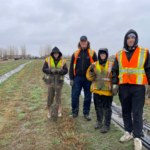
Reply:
x=129, y=53
x=47, y=70
x=104, y=50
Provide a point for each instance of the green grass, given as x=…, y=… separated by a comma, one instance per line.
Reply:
x=10, y=66
x=21, y=116
x=27, y=124
x=97, y=140
x=56, y=141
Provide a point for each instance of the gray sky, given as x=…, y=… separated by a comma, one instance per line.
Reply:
x=61, y=23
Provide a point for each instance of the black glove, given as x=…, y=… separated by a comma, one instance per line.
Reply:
x=48, y=71
x=92, y=68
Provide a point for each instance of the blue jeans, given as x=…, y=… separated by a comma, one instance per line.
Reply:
x=79, y=83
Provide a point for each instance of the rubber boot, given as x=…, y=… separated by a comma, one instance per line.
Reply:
x=105, y=129
x=98, y=126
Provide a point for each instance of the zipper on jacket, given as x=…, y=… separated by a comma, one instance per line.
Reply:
x=82, y=62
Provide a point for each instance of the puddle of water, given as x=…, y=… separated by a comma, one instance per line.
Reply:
x=7, y=75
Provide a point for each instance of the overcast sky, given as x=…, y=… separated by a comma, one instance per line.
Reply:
x=61, y=23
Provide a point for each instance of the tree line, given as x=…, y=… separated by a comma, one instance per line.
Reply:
x=13, y=51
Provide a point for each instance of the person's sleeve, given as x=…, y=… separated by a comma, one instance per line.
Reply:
x=88, y=76
x=64, y=70
x=115, y=72
x=71, y=75
x=147, y=67
x=46, y=68
x=95, y=57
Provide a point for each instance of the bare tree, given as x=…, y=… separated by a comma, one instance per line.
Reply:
x=45, y=51
x=41, y=51
x=23, y=50
x=1, y=52
x=16, y=52
x=48, y=50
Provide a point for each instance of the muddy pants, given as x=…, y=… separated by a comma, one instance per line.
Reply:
x=132, y=98
x=103, y=103
x=51, y=94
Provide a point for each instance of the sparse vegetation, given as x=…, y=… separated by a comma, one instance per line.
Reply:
x=24, y=124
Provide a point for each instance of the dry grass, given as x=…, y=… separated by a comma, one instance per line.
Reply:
x=24, y=124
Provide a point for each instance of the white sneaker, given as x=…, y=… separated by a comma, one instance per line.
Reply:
x=48, y=116
x=126, y=137
x=59, y=115
x=137, y=144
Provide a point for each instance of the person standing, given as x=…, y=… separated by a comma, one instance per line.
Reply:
x=80, y=61
x=131, y=70
x=54, y=65
x=100, y=75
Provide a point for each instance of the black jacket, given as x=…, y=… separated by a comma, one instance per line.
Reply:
x=83, y=62
x=129, y=53
x=46, y=68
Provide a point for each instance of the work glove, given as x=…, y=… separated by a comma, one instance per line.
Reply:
x=58, y=70
x=92, y=68
x=48, y=70
x=115, y=89
x=148, y=91
x=53, y=71
x=71, y=82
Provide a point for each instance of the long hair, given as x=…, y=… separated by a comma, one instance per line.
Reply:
x=88, y=46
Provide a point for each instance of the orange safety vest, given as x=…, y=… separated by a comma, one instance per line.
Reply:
x=104, y=76
x=132, y=72
x=76, y=53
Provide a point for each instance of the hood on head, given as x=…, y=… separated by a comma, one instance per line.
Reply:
x=56, y=50
x=103, y=50
x=136, y=39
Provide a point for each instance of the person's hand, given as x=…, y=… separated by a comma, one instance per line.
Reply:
x=58, y=71
x=71, y=82
x=148, y=91
x=53, y=71
x=92, y=68
x=115, y=89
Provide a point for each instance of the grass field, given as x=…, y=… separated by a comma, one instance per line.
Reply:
x=24, y=124
x=6, y=67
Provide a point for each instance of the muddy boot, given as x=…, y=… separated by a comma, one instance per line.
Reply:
x=73, y=115
x=105, y=129
x=87, y=117
x=137, y=144
x=98, y=126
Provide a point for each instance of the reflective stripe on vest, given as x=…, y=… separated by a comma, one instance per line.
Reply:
x=76, y=53
x=51, y=64
x=102, y=77
x=132, y=71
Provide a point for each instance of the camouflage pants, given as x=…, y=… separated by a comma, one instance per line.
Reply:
x=51, y=94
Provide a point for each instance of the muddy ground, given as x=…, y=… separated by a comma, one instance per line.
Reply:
x=24, y=124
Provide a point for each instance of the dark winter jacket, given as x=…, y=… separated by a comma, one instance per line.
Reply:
x=83, y=62
x=46, y=68
x=129, y=53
